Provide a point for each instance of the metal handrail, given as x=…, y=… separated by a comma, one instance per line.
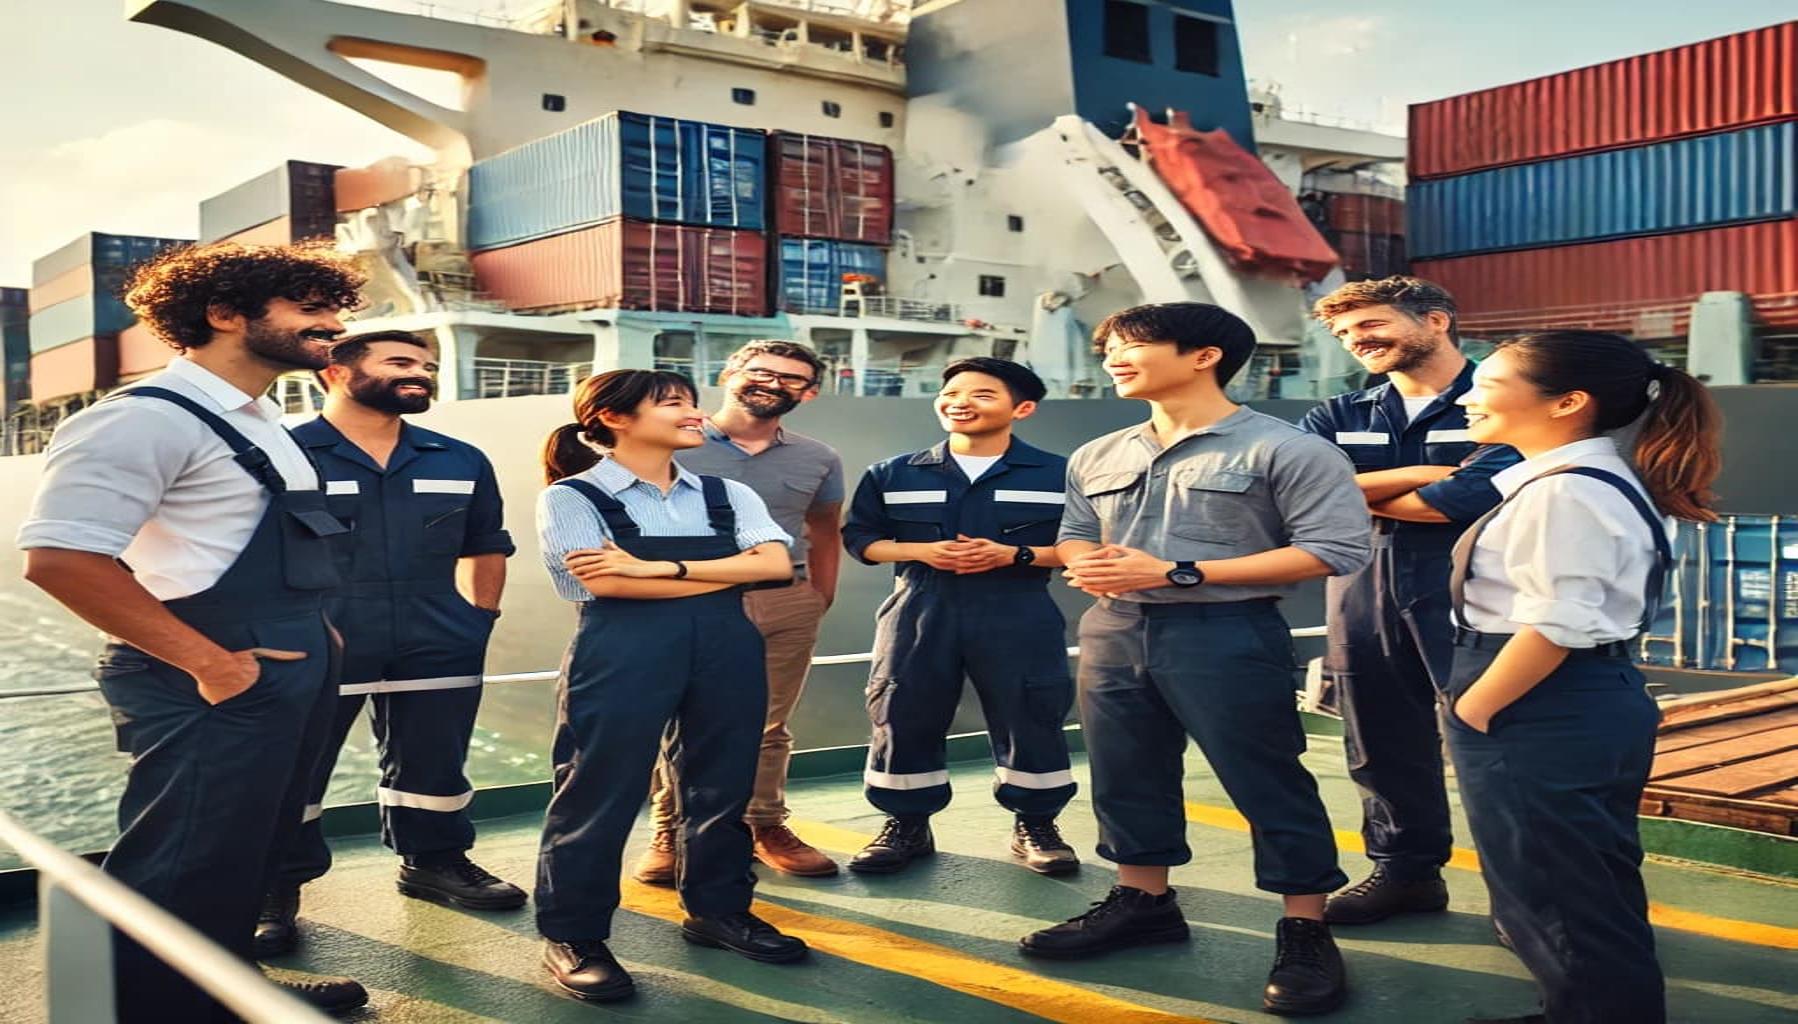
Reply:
x=78, y=904
x=548, y=674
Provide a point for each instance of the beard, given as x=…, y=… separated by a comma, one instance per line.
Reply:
x=382, y=393
x=1408, y=353
x=292, y=349
x=766, y=403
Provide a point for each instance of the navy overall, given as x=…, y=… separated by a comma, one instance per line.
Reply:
x=1551, y=792
x=215, y=790
x=684, y=672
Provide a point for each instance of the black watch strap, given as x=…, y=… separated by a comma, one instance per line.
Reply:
x=1023, y=556
x=1186, y=574
x=680, y=569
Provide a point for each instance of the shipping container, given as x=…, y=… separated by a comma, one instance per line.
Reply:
x=15, y=347
x=384, y=181
x=1364, y=214
x=631, y=264
x=276, y=232
x=120, y=252
x=1732, y=601
x=1731, y=82
x=81, y=317
x=1365, y=256
x=621, y=165
x=141, y=352
x=810, y=272
x=831, y=188
x=1609, y=285
x=89, y=364
x=297, y=190
x=1704, y=181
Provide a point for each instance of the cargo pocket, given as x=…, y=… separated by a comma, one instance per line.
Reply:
x=444, y=528
x=880, y=699
x=917, y=524
x=1048, y=699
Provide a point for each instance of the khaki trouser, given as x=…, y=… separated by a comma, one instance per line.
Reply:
x=788, y=619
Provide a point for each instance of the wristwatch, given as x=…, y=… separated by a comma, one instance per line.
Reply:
x=1025, y=555
x=1186, y=574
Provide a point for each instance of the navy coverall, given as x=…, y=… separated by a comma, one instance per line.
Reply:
x=1551, y=790
x=999, y=628
x=214, y=792
x=1390, y=638
x=412, y=643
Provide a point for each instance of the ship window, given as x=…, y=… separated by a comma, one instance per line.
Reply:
x=744, y=96
x=992, y=286
x=1127, y=31
x=553, y=103
x=1014, y=222
x=886, y=119
x=1195, y=45
x=833, y=109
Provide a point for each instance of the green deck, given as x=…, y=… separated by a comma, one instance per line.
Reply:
x=938, y=943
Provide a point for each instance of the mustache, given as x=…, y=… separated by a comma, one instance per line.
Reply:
x=423, y=382
x=320, y=334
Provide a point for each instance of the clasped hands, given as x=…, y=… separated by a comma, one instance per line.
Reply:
x=1114, y=569
x=965, y=554
x=611, y=560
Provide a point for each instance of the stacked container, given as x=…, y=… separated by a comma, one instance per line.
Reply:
x=1602, y=195
x=833, y=215
x=292, y=202
x=77, y=312
x=628, y=210
x=15, y=347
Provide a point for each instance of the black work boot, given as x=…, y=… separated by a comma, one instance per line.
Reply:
x=454, y=879
x=1039, y=844
x=744, y=934
x=587, y=970
x=1125, y=917
x=1380, y=896
x=277, y=926
x=901, y=841
x=1308, y=976
x=323, y=992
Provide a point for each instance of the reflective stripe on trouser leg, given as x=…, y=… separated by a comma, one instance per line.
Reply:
x=424, y=792
x=1016, y=654
x=308, y=856
x=914, y=686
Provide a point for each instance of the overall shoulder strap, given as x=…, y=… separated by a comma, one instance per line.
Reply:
x=254, y=460
x=610, y=509
x=718, y=510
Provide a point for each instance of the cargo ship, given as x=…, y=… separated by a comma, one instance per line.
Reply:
x=652, y=182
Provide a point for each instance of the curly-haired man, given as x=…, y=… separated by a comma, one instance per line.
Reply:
x=181, y=519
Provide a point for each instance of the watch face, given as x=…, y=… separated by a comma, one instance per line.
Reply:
x=1025, y=556
x=1184, y=578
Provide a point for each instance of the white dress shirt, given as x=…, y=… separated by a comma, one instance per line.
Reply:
x=1570, y=556
x=145, y=480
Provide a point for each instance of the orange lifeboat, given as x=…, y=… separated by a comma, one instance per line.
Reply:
x=1241, y=205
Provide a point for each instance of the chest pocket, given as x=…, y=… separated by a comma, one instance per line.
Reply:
x=1367, y=449
x=1449, y=447
x=1114, y=497
x=917, y=516
x=1028, y=517
x=343, y=499
x=443, y=514
x=1207, y=504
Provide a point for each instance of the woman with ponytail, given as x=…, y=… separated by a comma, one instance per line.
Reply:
x=1549, y=724
x=657, y=558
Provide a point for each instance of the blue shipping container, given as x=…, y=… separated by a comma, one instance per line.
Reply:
x=15, y=347
x=811, y=272
x=102, y=250
x=1732, y=604
x=620, y=165
x=1726, y=178
x=83, y=317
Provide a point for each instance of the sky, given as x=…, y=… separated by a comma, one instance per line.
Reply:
x=106, y=125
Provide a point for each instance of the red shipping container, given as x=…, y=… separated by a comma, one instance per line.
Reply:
x=358, y=188
x=91, y=364
x=1371, y=215
x=141, y=351
x=631, y=264
x=1732, y=82
x=831, y=188
x=1611, y=285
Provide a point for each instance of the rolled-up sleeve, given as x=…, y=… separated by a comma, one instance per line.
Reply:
x=1314, y=488
x=566, y=521
x=867, y=520
x=1561, y=587
x=486, y=533
x=830, y=491
x=1079, y=519
x=754, y=524
x=105, y=474
x=1467, y=493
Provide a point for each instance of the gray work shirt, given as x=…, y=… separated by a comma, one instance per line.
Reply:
x=1246, y=484
x=792, y=476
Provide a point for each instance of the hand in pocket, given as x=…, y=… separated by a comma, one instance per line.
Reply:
x=238, y=672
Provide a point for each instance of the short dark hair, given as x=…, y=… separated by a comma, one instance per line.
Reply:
x=1188, y=326
x=1021, y=381
x=350, y=350
x=173, y=291
x=776, y=347
x=1412, y=295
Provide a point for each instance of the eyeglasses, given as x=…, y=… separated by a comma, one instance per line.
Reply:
x=791, y=381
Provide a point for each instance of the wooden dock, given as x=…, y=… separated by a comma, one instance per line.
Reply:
x=1729, y=758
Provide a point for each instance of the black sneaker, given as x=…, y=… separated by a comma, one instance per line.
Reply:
x=1380, y=896
x=277, y=926
x=587, y=970
x=1308, y=976
x=744, y=934
x=321, y=992
x=461, y=882
x=901, y=841
x=1125, y=917
x=1038, y=842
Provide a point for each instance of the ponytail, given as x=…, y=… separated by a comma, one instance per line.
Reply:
x=565, y=453
x=1678, y=451
x=569, y=448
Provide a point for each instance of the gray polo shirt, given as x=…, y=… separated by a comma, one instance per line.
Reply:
x=1246, y=484
x=792, y=476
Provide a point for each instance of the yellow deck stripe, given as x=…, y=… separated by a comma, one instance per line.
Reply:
x=888, y=951
x=1751, y=932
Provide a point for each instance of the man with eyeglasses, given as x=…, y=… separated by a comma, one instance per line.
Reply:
x=801, y=480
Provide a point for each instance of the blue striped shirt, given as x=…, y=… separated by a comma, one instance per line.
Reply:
x=567, y=521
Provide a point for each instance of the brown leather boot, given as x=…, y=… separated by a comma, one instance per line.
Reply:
x=777, y=847
x=656, y=866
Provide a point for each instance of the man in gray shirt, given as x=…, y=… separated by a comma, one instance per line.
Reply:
x=1188, y=529
x=801, y=481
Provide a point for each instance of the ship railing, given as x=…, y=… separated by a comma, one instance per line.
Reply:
x=509, y=378
x=78, y=907
x=441, y=12
x=900, y=307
